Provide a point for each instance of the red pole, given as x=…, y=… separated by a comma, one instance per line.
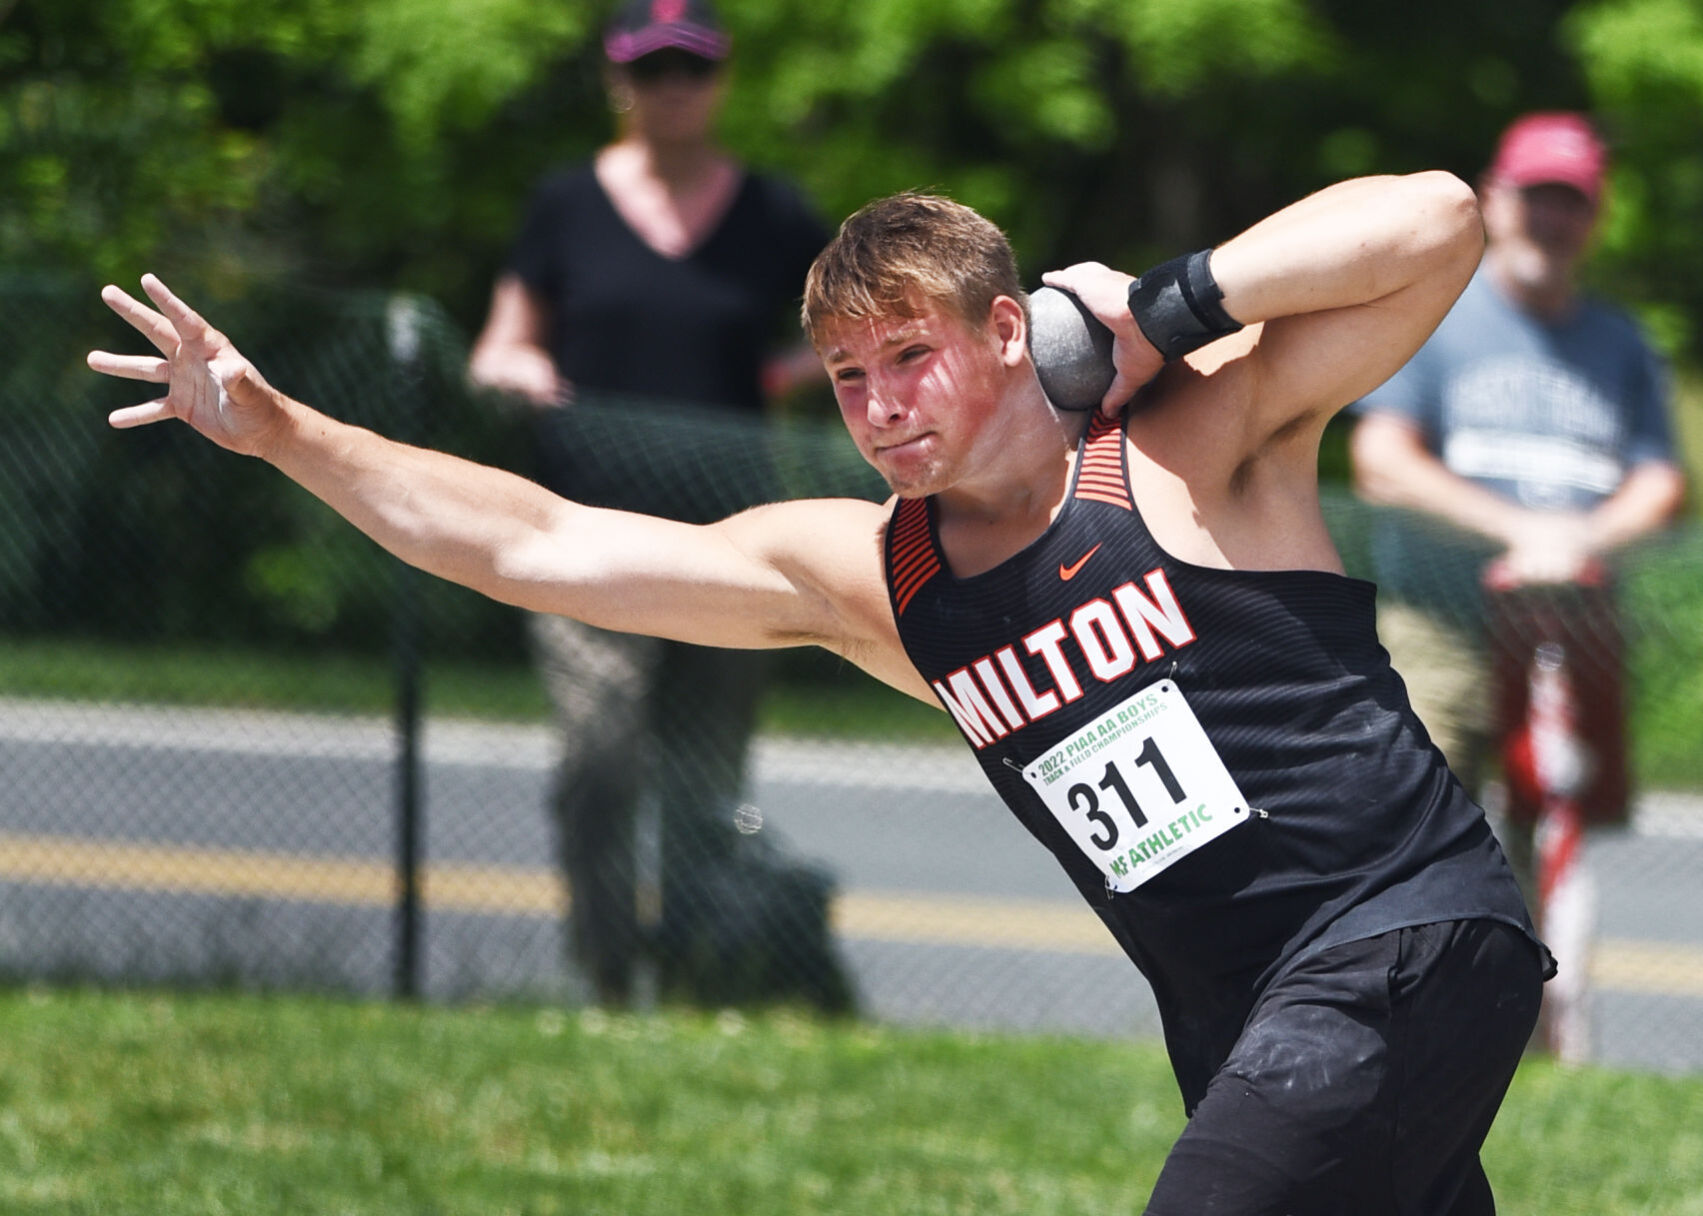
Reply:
x=1566, y=900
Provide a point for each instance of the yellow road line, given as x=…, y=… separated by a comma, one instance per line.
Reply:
x=1662, y=968
x=1011, y=924
x=124, y=865
x=1014, y=924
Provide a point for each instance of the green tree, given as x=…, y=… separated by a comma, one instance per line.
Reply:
x=1644, y=61
x=337, y=143
x=391, y=142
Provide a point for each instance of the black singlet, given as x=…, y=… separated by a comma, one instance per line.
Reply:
x=1358, y=827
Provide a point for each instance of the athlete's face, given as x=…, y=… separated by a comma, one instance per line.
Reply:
x=920, y=394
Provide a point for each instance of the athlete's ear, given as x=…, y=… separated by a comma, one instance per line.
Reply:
x=1011, y=328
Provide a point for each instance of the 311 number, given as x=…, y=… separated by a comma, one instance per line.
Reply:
x=1083, y=798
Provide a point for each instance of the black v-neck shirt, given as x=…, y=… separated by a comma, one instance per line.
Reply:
x=627, y=321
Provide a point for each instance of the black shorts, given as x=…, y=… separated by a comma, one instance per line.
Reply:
x=1365, y=1081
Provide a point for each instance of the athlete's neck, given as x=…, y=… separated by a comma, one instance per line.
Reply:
x=985, y=519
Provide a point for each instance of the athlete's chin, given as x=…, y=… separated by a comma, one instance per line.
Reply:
x=911, y=472
x=908, y=491
x=914, y=483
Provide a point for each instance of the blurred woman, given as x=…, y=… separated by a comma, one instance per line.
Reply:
x=656, y=276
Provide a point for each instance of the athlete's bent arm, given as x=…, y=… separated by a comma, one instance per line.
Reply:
x=1347, y=284
x=790, y=574
x=1334, y=292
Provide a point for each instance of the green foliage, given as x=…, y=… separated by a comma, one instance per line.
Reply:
x=307, y=139
x=449, y=65
x=1644, y=61
x=390, y=143
x=1663, y=601
x=1177, y=49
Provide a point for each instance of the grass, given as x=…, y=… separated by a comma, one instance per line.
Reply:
x=235, y=677
x=114, y=1102
x=815, y=696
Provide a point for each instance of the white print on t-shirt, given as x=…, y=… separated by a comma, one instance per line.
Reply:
x=1542, y=464
x=1547, y=434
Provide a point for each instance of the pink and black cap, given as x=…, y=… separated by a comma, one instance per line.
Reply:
x=1552, y=147
x=643, y=27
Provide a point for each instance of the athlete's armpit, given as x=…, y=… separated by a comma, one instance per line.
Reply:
x=829, y=553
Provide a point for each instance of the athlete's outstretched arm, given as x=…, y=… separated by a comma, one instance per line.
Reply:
x=791, y=574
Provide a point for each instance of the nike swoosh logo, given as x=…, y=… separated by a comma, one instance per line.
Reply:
x=1066, y=573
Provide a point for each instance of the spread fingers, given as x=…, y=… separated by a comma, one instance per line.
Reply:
x=139, y=415
x=131, y=367
x=150, y=324
x=183, y=319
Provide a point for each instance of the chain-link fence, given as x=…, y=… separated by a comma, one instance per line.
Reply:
x=239, y=744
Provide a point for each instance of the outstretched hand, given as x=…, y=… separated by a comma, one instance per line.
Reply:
x=209, y=384
x=1105, y=293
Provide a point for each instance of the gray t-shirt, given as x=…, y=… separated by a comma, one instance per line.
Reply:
x=1552, y=416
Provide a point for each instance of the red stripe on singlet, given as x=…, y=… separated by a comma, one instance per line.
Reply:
x=914, y=560
x=1101, y=476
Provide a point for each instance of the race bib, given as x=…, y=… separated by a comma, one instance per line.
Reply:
x=1140, y=788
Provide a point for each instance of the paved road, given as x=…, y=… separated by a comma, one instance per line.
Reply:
x=256, y=848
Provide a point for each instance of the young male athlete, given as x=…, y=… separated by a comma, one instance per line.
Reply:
x=1141, y=627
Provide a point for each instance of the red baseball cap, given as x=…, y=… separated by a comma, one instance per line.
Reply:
x=1552, y=147
x=642, y=27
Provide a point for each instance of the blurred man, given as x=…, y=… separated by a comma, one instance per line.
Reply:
x=1534, y=425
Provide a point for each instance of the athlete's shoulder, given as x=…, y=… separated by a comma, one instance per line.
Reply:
x=792, y=513
x=832, y=544
x=830, y=550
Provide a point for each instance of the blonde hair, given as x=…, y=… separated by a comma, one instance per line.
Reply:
x=896, y=255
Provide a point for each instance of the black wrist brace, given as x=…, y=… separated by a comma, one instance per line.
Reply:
x=1179, y=305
